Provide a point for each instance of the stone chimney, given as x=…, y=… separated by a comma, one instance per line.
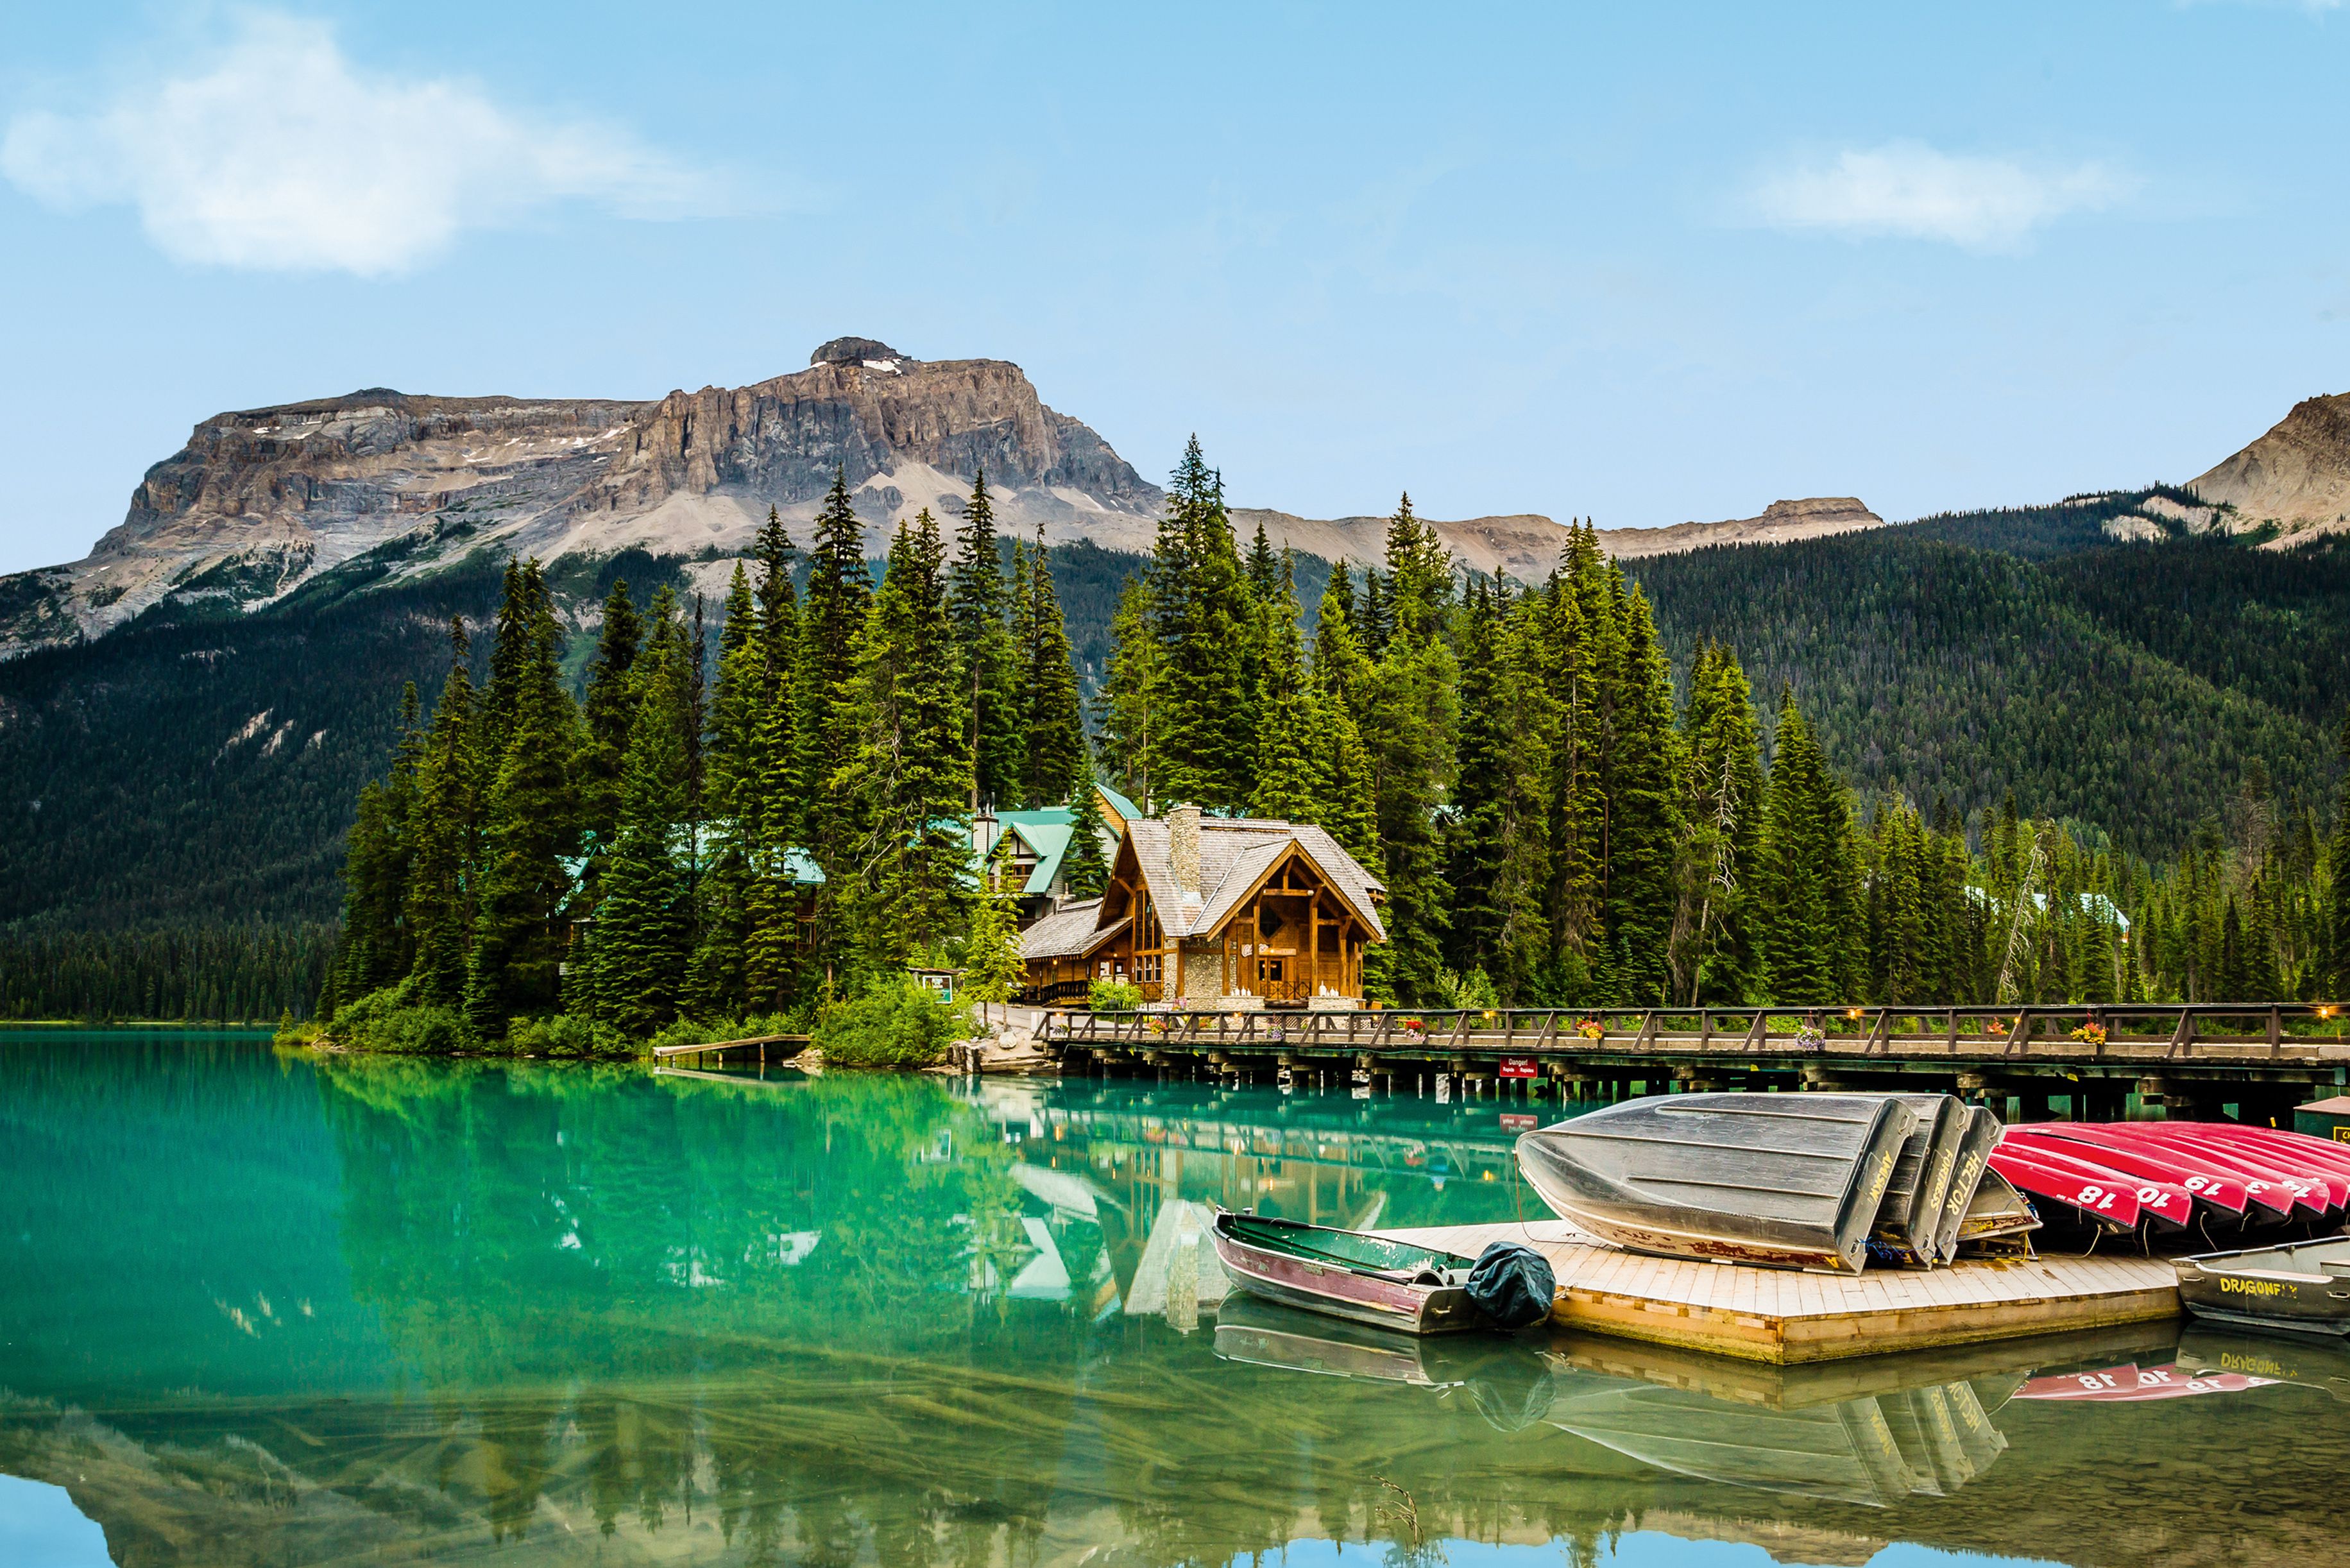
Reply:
x=1183, y=848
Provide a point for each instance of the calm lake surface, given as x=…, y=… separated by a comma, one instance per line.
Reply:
x=258, y=1311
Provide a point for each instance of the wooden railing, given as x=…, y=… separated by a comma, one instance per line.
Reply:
x=1057, y=991
x=2138, y=1032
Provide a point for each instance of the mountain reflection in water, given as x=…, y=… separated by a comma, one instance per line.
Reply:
x=275, y=1311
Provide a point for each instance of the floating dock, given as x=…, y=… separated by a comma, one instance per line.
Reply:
x=1786, y=1317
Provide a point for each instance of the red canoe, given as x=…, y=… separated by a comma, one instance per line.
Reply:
x=2160, y=1199
x=2224, y=1195
x=2113, y=1204
x=2298, y=1148
x=2266, y=1193
x=2316, y=1195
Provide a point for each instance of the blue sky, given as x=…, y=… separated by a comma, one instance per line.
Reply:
x=1645, y=264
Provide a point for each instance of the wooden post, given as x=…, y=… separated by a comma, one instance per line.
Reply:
x=1313, y=945
x=1256, y=919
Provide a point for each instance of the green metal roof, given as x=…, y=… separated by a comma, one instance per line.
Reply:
x=1046, y=831
x=1124, y=809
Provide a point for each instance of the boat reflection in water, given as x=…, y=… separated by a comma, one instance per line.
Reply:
x=1873, y=1450
x=1872, y=1433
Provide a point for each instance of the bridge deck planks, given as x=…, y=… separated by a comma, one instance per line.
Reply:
x=1784, y=1316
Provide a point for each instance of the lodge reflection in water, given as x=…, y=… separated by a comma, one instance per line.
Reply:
x=392, y=1310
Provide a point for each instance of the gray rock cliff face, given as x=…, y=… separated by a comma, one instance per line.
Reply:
x=262, y=500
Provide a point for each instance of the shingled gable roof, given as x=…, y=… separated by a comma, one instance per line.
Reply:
x=1236, y=855
x=1069, y=932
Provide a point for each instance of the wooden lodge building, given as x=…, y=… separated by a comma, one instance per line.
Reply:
x=1218, y=913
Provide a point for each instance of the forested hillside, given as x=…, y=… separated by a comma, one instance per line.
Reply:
x=1943, y=673
x=187, y=774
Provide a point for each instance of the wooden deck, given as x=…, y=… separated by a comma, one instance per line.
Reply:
x=759, y=1042
x=1785, y=1317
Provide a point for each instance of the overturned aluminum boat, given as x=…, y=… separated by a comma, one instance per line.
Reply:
x=1785, y=1181
x=1979, y=1137
x=1909, y=1218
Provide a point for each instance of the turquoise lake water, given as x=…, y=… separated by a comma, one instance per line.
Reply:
x=265, y=1311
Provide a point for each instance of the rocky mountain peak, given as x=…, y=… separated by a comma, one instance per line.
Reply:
x=1781, y=520
x=261, y=501
x=856, y=351
x=2294, y=479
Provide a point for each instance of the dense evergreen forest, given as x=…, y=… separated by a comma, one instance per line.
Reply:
x=2169, y=705
x=1559, y=815
x=215, y=972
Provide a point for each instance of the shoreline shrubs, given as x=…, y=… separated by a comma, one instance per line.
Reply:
x=1114, y=996
x=898, y=1023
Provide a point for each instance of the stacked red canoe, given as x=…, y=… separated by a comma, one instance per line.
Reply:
x=2207, y=1178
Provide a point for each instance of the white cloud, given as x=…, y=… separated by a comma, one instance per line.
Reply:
x=1912, y=191
x=278, y=155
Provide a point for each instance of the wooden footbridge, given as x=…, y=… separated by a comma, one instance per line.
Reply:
x=2193, y=1059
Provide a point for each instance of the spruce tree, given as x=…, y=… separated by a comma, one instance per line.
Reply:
x=644, y=927
x=1500, y=840
x=1084, y=867
x=1799, y=932
x=991, y=959
x=1342, y=684
x=376, y=944
x=773, y=813
x=1264, y=566
x=369, y=956
x=610, y=706
x=1410, y=733
x=530, y=821
x=1723, y=810
x=1052, y=711
x=2338, y=874
x=1374, y=624
x=910, y=775
x=1577, y=643
x=981, y=609
x=509, y=654
x=1203, y=746
x=1293, y=757
x=715, y=983
x=832, y=626
x=1644, y=821
x=447, y=826
x=1128, y=685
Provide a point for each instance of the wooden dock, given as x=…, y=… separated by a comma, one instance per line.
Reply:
x=719, y=1048
x=2193, y=1059
x=1785, y=1317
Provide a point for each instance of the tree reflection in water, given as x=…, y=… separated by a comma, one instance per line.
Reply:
x=572, y=1315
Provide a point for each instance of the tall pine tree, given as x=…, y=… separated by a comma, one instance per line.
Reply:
x=1051, y=710
x=832, y=626
x=530, y=820
x=448, y=822
x=643, y=933
x=980, y=610
x=1411, y=717
x=910, y=775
